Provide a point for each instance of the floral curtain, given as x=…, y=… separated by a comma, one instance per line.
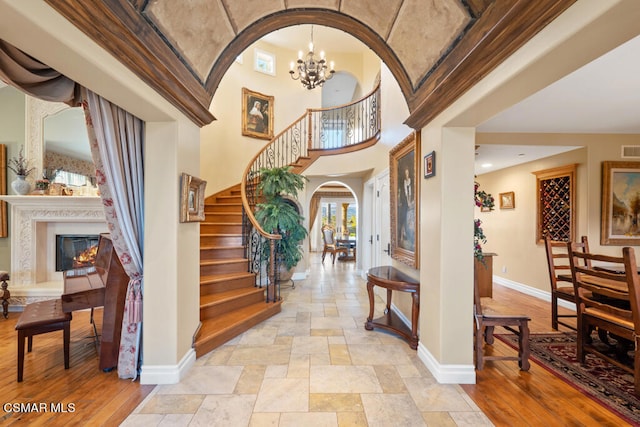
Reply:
x=116, y=138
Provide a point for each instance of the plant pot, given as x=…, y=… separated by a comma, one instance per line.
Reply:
x=20, y=185
x=284, y=275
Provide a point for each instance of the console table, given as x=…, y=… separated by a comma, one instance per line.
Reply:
x=394, y=280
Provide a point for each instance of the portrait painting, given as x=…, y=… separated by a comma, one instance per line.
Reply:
x=620, y=217
x=257, y=114
x=404, y=164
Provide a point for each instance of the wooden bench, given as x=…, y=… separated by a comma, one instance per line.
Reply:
x=39, y=318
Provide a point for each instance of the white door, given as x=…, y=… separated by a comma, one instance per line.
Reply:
x=365, y=236
x=382, y=231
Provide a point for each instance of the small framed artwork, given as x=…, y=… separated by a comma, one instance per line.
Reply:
x=430, y=165
x=507, y=200
x=264, y=62
x=404, y=168
x=192, y=199
x=257, y=114
x=620, y=190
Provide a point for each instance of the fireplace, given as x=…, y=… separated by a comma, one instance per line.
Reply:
x=75, y=250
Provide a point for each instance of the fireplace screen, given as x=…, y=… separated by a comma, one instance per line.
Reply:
x=75, y=251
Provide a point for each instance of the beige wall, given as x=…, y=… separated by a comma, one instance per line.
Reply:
x=225, y=152
x=512, y=233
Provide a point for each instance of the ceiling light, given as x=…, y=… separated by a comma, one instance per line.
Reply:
x=486, y=165
x=312, y=72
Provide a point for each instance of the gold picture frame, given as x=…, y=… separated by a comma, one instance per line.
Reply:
x=257, y=114
x=192, y=199
x=404, y=165
x=620, y=189
x=4, y=227
x=508, y=200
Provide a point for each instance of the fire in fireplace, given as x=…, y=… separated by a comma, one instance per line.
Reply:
x=75, y=250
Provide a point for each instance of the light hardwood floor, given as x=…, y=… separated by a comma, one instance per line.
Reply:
x=90, y=397
x=508, y=396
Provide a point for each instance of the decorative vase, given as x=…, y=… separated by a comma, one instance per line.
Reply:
x=20, y=186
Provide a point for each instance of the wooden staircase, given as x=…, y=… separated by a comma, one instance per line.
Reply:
x=230, y=303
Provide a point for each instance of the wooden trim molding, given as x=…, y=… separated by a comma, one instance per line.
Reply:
x=502, y=29
x=498, y=29
x=124, y=32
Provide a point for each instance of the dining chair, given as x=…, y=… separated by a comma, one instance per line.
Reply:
x=485, y=324
x=607, y=300
x=560, y=277
x=330, y=246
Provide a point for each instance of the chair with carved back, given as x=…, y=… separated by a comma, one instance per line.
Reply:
x=607, y=299
x=560, y=277
x=330, y=246
x=485, y=324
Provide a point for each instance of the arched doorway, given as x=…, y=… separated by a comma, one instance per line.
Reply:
x=336, y=204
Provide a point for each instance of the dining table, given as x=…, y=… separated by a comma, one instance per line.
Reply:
x=350, y=244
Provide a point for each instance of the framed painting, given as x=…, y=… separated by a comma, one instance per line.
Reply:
x=430, y=165
x=257, y=114
x=404, y=165
x=619, y=221
x=508, y=200
x=192, y=199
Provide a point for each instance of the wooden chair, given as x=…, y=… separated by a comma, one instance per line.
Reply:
x=560, y=277
x=328, y=237
x=485, y=326
x=609, y=300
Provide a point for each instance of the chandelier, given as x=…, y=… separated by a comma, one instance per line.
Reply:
x=312, y=72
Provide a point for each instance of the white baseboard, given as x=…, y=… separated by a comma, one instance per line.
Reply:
x=168, y=374
x=534, y=292
x=446, y=374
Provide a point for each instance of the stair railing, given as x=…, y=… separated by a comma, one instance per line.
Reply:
x=323, y=131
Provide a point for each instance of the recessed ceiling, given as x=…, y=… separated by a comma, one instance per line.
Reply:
x=601, y=97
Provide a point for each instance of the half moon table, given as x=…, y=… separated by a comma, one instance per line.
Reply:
x=392, y=279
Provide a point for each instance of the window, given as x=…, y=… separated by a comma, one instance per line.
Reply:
x=329, y=214
x=556, y=200
x=264, y=62
x=71, y=178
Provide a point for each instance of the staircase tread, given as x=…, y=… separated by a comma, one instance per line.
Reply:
x=222, y=261
x=226, y=320
x=221, y=247
x=225, y=276
x=211, y=299
x=219, y=223
x=221, y=234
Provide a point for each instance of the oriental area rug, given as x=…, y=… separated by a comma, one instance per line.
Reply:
x=607, y=384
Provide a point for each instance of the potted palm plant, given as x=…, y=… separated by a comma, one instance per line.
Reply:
x=277, y=214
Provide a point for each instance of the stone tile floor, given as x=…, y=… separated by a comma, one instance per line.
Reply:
x=313, y=364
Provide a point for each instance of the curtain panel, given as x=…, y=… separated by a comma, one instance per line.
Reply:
x=116, y=138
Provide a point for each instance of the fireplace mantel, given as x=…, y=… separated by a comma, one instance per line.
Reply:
x=35, y=220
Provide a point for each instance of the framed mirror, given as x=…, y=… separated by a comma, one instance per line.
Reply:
x=67, y=155
x=57, y=140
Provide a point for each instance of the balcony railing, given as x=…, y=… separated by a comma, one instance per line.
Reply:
x=318, y=132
